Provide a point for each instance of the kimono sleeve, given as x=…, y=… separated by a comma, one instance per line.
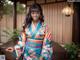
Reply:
x=47, y=50
x=22, y=39
x=20, y=45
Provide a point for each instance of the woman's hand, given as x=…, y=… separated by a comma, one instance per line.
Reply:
x=10, y=49
x=41, y=58
x=32, y=53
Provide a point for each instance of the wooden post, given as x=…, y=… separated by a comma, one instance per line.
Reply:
x=45, y=1
x=26, y=6
x=76, y=23
x=34, y=1
x=0, y=30
x=15, y=15
x=1, y=15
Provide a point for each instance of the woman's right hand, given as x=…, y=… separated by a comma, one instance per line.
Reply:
x=10, y=49
x=41, y=58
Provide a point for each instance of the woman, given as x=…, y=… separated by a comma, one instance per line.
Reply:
x=35, y=40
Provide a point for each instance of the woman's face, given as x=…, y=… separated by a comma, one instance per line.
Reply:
x=35, y=15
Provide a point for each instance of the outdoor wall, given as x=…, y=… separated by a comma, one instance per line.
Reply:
x=60, y=25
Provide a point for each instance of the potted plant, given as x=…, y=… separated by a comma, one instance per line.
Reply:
x=72, y=50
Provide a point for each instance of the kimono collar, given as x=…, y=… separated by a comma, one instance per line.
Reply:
x=36, y=29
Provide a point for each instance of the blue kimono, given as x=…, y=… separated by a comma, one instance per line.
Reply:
x=38, y=43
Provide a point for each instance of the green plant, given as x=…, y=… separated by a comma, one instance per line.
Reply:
x=13, y=35
x=7, y=8
x=72, y=50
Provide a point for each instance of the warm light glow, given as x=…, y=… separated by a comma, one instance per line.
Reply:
x=24, y=5
x=67, y=11
x=9, y=2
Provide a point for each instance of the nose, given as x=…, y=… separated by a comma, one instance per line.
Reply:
x=35, y=15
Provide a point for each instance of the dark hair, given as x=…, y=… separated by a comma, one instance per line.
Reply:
x=28, y=20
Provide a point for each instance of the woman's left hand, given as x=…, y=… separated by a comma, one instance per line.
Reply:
x=41, y=58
